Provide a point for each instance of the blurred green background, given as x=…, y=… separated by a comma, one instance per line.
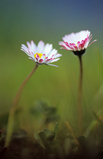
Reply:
x=50, y=20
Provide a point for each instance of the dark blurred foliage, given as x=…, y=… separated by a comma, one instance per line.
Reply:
x=47, y=113
x=56, y=144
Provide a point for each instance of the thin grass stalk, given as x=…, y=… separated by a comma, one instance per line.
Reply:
x=72, y=133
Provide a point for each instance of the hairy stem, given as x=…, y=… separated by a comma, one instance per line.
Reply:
x=80, y=113
x=14, y=106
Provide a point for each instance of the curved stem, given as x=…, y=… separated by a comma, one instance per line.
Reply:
x=14, y=106
x=80, y=113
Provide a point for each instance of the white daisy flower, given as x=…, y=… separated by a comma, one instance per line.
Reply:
x=77, y=42
x=42, y=53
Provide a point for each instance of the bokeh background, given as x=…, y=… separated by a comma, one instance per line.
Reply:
x=50, y=20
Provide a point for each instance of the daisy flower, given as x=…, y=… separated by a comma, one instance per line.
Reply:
x=77, y=42
x=42, y=53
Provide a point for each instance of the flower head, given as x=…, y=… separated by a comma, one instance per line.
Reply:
x=77, y=42
x=42, y=53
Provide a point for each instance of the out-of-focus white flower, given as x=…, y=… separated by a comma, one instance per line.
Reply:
x=42, y=53
x=77, y=42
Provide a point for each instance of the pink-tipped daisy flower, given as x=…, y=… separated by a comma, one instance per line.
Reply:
x=42, y=53
x=77, y=42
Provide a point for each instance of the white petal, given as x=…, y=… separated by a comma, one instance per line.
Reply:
x=33, y=47
x=92, y=42
x=25, y=52
x=63, y=45
x=57, y=55
x=47, y=49
x=52, y=65
x=29, y=45
x=53, y=52
x=54, y=60
x=40, y=47
x=25, y=49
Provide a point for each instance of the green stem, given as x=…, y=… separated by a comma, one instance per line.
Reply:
x=13, y=108
x=80, y=113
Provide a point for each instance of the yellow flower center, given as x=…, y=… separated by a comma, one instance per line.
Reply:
x=39, y=54
x=76, y=44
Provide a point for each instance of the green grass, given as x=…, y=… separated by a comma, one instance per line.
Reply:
x=57, y=86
